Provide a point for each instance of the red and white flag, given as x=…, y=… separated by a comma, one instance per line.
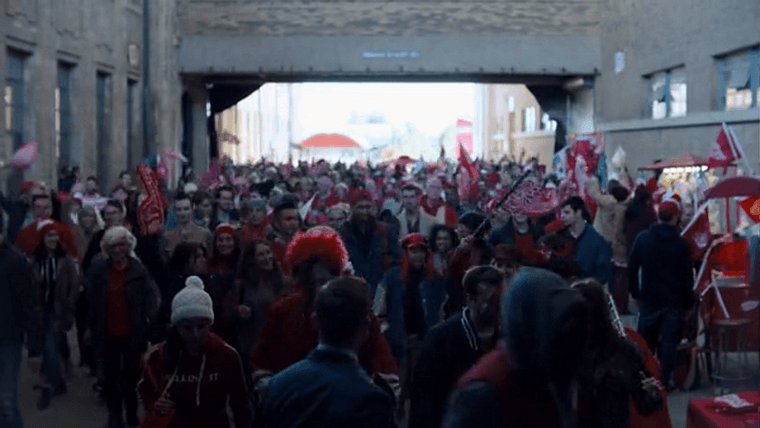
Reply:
x=469, y=176
x=725, y=150
x=697, y=233
x=751, y=206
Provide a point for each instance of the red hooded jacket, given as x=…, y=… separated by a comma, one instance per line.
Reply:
x=199, y=405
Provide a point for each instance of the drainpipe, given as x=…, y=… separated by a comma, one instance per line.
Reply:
x=146, y=78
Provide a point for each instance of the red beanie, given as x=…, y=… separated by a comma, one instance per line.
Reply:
x=224, y=228
x=668, y=209
x=414, y=240
x=360, y=195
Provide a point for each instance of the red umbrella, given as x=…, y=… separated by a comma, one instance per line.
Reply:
x=734, y=186
x=404, y=161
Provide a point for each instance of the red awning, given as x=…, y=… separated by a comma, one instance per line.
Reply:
x=686, y=159
x=734, y=186
x=322, y=141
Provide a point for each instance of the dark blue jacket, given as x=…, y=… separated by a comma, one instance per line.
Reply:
x=594, y=255
x=432, y=292
x=371, y=258
x=327, y=389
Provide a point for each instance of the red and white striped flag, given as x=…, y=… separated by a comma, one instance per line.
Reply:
x=725, y=150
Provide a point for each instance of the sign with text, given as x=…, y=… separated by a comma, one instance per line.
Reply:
x=391, y=54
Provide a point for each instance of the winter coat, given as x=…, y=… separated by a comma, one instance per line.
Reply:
x=666, y=276
x=609, y=379
x=327, y=389
x=67, y=285
x=142, y=295
x=201, y=388
x=391, y=292
x=288, y=336
x=20, y=306
x=426, y=223
x=510, y=386
x=594, y=256
x=372, y=258
x=448, y=351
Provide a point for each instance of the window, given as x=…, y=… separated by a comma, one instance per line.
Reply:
x=14, y=98
x=63, y=149
x=667, y=93
x=547, y=123
x=103, y=125
x=529, y=119
x=739, y=80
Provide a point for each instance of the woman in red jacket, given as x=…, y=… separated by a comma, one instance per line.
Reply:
x=190, y=377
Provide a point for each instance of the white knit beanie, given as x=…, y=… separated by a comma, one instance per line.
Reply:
x=192, y=302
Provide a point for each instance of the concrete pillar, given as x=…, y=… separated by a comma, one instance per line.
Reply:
x=196, y=90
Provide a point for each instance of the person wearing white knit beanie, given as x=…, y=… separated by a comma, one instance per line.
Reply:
x=192, y=302
x=191, y=378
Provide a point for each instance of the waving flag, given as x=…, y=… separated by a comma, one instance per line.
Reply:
x=468, y=176
x=150, y=212
x=725, y=150
x=751, y=207
x=697, y=233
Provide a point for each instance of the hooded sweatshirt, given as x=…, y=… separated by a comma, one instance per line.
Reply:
x=203, y=404
x=664, y=259
x=511, y=385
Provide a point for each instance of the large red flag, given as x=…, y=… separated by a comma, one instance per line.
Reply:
x=725, y=150
x=697, y=233
x=468, y=176
x=150, y=213
x=751, y=206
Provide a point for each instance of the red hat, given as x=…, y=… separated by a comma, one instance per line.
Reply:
x=45, y=226
x=670, y=208
x=321, y=242
x=414, y=240
x=27, y=186
x=357, y=195
x=224, y=228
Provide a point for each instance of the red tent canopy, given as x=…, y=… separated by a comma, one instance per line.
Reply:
x=686, y=159
x=734, y=186
x=329, y=141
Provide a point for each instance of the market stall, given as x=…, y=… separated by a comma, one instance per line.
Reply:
x=723, y=281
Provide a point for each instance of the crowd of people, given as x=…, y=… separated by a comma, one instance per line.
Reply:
x=318, y=294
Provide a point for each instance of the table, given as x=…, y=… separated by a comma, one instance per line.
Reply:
x=705, y=413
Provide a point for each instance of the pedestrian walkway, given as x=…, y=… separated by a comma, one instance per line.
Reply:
x=78, y=408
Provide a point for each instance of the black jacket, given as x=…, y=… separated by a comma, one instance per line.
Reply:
x=142, y=294
x=448, y=351
x=664, y=259
x=20, y=305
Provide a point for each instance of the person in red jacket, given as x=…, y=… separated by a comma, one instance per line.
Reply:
x=314, y=257
x=191, y=376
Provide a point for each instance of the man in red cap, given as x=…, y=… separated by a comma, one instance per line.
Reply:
x=660, y=278
x=372, y=246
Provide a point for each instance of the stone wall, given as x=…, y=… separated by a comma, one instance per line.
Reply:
x=93, y=36
x=388, y=18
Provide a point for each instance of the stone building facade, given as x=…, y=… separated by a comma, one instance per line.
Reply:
x=72, y=73
x=708, y=53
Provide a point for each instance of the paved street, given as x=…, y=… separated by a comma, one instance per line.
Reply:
x=79, y=407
